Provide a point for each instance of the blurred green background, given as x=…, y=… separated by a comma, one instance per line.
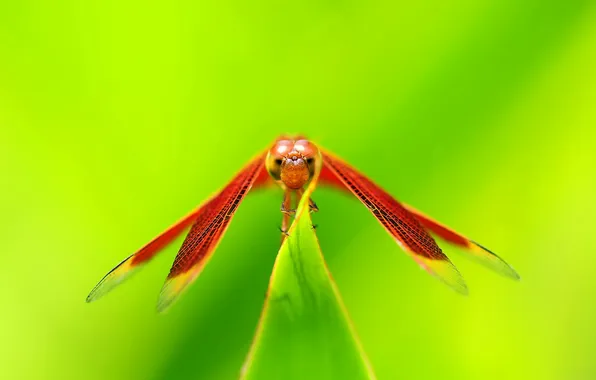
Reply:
x=118, y=117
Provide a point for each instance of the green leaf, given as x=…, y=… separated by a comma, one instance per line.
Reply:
x=304, y=331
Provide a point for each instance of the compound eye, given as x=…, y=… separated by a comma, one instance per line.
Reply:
x=306, y=148
x=310, y=153
x=273, y=164
x=312, y=165
x=275, y=157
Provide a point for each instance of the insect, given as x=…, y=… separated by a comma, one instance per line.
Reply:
x=292, y=163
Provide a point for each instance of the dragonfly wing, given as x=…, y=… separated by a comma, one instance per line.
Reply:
x=206, y=233
x=135, y=261
x=397, y=220
x=329, y=178
x=263, y=180
x=474, y=250
x=477, y=252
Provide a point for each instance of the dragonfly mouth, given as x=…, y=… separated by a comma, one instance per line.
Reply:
x=295, y=157
x=294, y=161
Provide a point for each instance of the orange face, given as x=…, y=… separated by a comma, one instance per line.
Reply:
x=293, y=162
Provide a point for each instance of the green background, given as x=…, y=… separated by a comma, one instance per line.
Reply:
x=116, y=118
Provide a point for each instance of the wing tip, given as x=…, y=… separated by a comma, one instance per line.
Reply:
x=166, y=297
x=93, y=296
x=446, y=272
x=504, y=268
x=90, y=297
x=461, y=287
x=163, y=305
x=173, y=288
x=456, y=281
x=95, y=293
x=112, y=279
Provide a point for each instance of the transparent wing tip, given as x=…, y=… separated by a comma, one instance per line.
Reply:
x=111, y=280
x=172, y=289
x=446, y=272
x=493, y=261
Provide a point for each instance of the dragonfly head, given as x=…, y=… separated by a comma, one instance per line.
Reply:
x=293, y=162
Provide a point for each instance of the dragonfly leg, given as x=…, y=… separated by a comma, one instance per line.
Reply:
x=311, y=204
x=286, y=205
x=287, y=211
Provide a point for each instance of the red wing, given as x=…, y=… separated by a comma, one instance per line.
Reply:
x=398, y=221
x=135, y=261
x=206, y=233
x=474, y=250
x=329, y=178
x=263, y=180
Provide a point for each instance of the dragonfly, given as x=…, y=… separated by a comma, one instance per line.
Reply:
x=292, y=163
